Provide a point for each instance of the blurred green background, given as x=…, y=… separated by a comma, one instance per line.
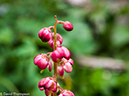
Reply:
x=101, y=30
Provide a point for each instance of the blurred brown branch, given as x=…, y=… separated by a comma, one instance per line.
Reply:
x=101, y=62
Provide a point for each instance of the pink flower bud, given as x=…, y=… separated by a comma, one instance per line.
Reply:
x=66, y=93
x=68, y=67
x=59, y=40
x=45, y=34
x=67, y=26
x=42, y=61
x=43, y=82
x=59, y=53
x=60, y=71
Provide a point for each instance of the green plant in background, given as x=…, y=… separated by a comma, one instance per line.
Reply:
x=60, y=56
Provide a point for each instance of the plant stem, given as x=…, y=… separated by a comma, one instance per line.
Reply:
x=55, y=64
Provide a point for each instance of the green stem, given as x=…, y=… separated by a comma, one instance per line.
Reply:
x=55, y=64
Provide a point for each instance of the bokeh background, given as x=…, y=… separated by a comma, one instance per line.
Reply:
x=99, y=45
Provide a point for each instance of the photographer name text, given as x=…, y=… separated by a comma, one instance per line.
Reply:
x=13, y=94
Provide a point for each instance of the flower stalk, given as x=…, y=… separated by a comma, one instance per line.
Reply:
x=60, y=57
x=55, y=64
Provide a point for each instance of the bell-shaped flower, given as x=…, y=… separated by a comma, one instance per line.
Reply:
x=47, y=83
x=65, y=65
x=42, y=61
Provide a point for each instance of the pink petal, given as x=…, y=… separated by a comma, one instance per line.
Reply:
x=60, y=71
x=42, y=63
x=55, y=55
x=50, y=66
x=42, y=83
x=67, y=53
x=48, y=85
x=58, y=44
x=37, y=58
x=51, y=43
x=60, y=95
x=71, y=61
x=59, y=38
x=60, y=51
x=67, y=93
x=68, y=67
x=53, y=87
x=47, y=92
x=41, y=88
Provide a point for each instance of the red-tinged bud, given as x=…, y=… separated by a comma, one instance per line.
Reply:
x=60, y=71
x=68, y=67
x=59, y=40
x=42, y=61
x=45, y=34
x=66, y=93
x=67, y=26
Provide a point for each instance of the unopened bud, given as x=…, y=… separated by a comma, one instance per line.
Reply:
x=67, y=26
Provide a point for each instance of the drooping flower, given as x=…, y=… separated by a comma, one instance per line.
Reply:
x=65, y=65
x=42, y=61
x=47, y=83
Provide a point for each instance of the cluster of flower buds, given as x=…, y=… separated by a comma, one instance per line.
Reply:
x=49, y=85
x=60, y=55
